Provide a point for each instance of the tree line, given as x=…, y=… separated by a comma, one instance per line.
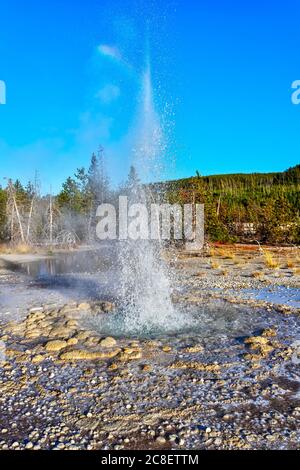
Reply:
x=66, y=218
x=244, y=207
x=238, y=208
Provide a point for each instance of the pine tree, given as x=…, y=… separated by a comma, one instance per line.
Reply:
x=98, y=182
x=70, y=196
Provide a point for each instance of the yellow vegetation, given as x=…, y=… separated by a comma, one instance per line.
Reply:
x=214, y=264
x=227, y=253
x=290, y=263
x=20, y=248
x=270, y=261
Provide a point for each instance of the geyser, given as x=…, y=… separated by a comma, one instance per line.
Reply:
x=145, y=291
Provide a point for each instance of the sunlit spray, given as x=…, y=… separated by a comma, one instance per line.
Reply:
x=145, y=293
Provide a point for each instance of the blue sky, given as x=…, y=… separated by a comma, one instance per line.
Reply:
x=222, y=70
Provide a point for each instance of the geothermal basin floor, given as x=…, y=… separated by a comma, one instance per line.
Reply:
x=64, y=385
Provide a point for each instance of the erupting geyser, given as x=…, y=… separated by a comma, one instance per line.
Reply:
x=145, y=292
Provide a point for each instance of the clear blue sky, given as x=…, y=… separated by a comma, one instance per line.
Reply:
x=73, y=75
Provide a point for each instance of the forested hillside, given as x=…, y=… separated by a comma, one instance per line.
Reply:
x=253, y=207
x=239, y=207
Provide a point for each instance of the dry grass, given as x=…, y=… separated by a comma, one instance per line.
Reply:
x=227, y=253
x=270, y=261
x=4, y=249
x=224, y=272
x=257, y=274
x=20, y=249
x=214, y=264
x=211, y=252
x=293, y=262
x=290, y=263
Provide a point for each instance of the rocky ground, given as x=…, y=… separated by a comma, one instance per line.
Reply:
x=65, y=386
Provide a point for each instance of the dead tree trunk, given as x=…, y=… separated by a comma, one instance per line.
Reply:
x=29, y=220
x=51, y=219
x=12, y=222
x=219, y=206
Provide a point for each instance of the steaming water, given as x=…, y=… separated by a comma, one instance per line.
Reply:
x=150, y=146
x=145, y=290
